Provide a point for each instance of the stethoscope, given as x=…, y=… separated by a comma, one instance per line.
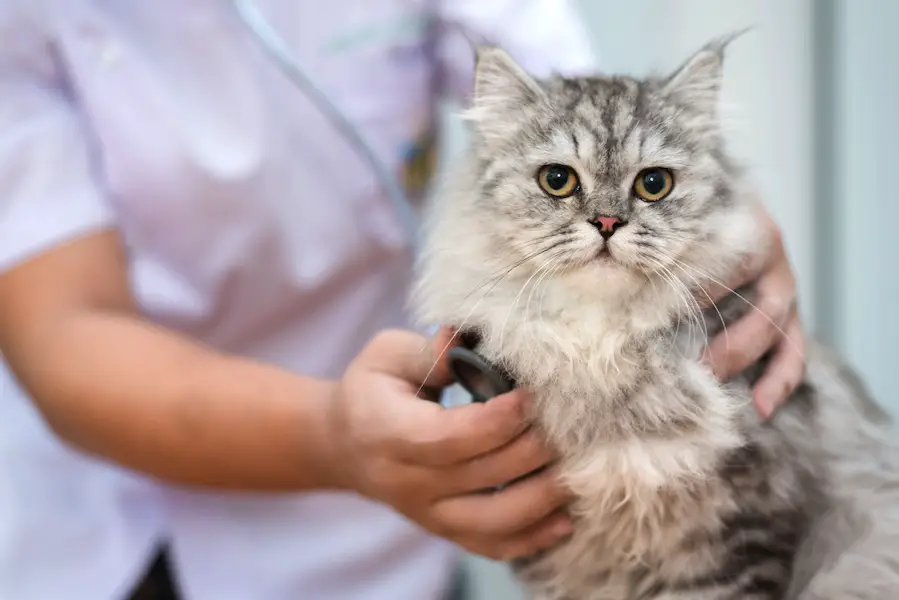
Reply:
x=479, y=378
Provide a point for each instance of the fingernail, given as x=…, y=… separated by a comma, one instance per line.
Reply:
x=528, y=408
x=765, y=408
x=563, y=527
x=514, y=397
x=513, y=400
x=527, y=399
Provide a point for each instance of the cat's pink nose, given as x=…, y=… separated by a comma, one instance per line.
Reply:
x=608, y=225
x=609, y=222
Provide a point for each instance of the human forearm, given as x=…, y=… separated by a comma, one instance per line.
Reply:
x=156, y=402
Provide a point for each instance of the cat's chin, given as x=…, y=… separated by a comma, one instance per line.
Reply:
x=606, y=277
x=606, y=265
x=605, y=257
x=602, y=255
x=613, y=262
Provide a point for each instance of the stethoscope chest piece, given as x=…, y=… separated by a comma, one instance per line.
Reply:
x=478, y=377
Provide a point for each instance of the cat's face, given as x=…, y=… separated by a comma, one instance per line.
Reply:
x=591, y=189
x=616, y=178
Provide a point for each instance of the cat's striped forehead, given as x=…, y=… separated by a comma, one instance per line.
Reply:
x=614, y=128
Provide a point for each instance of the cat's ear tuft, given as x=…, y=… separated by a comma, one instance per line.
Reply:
x=697, y=82
x=499, y=80
x=502, y=89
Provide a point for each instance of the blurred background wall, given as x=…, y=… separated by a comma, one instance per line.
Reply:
x=813, y=96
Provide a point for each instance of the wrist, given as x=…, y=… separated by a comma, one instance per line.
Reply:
x=335, y=462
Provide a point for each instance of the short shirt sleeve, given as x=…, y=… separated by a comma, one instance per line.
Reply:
x=48, y=191
x=544, y=36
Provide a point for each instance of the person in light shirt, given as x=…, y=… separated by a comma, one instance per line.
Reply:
x=206, y=366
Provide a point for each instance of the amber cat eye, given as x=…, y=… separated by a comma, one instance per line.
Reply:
x=653, y=184
x=559, y=181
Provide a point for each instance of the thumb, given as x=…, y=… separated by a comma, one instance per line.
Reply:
x=413, y=358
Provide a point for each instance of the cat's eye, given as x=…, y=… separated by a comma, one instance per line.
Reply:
x=653, y=184
x=559, y=181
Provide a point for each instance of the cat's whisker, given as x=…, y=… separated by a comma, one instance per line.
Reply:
x=667, y=278
x=767, y=317
x=662, y=236
x=545, y=265
x=692, y=308
x=791, y=344
x=658, y=266
x=561, y=231
x=540, y=300
x=461, y=327
x=661, y=271
x=504, y=271
x=680, y=265
x=527, y=304
x=508, y=272
x=560, y=261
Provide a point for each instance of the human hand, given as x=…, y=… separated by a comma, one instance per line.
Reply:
x=773, y=325
x=438, y=466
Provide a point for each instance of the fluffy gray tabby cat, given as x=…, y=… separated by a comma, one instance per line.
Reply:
x=571, y=242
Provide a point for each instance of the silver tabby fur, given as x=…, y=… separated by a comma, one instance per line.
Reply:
x=681, y=492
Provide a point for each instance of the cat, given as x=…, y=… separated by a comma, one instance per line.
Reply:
x=569, y=244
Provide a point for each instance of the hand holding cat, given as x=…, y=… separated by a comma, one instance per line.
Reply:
x=433, y=464
x=774, y=326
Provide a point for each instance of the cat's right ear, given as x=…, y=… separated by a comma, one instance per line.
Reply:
x=503, y=91
x=697, y=83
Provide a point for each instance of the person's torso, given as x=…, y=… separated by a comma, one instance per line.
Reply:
x=253, y=226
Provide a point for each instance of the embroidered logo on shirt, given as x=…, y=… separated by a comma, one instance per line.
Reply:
x=420, y=163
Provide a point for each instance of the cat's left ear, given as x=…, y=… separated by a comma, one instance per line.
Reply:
x=697, y=83
x=503, y=91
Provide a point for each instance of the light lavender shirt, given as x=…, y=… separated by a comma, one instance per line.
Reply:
x=250, y=226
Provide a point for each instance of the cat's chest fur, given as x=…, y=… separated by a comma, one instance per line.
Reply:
x=625, y=399
x=629, y=412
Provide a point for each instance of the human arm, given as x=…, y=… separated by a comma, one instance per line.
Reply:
x=147, y=398
x=114, y=385
x=141, y=396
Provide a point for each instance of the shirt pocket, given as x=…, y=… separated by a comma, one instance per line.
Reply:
x=384, y=83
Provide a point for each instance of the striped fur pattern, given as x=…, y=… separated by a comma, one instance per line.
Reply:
x=681, y=492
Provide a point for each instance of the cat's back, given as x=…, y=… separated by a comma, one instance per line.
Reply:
x=832, y=415
x=835, y=430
